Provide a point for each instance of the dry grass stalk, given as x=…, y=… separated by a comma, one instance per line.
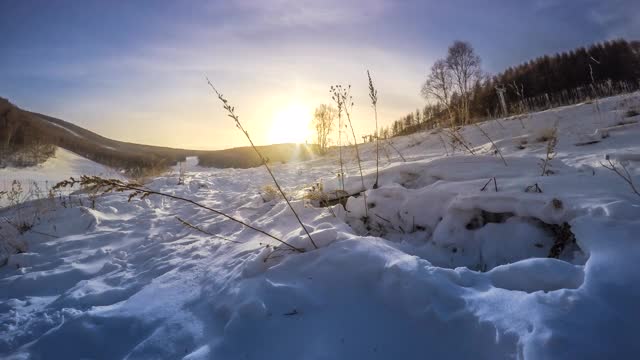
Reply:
x=444, y=145
x=456, y=138
x=182, y=172
x=104, y=186
x=394, y=148
x=499, y=123
x=25, y=213
x=269, y=192
x=593, y=87
x=550, y=153
x=199, y=229
x=231, y=113
x=25, y=227
x=344, y=95
x=495, y=184
x=492, y=143
x=386, y=152
x=373, y=95
x=535, y=188
x=340, y=106
x=624, y=174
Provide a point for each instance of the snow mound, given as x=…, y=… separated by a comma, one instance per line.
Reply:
x=451, y=222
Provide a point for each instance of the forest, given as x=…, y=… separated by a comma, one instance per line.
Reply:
x=459, y=92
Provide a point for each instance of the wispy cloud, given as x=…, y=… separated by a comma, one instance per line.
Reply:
x=617, y=18
x=107, y=65
x=292, y=13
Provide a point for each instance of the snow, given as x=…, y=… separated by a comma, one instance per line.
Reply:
x=440, y=269
x=60, y=167
x=64, y=128
x=64, y=164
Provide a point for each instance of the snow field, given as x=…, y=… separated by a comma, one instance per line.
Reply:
x=440, y=269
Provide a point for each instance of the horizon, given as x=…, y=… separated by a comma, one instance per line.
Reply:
x=469, y=186
x=136, y=72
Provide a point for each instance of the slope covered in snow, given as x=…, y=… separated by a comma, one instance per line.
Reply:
x=63, y=165
x=431, y=267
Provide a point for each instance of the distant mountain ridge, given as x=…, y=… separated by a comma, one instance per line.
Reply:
x=23, y=134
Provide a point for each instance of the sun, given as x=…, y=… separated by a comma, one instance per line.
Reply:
x=290, y=125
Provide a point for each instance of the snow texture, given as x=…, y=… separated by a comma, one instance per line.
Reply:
x=438, y=269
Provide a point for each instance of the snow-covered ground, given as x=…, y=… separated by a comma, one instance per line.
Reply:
x=439, y=269
x=36, y=179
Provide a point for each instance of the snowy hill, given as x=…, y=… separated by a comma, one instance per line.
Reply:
x=531, y=267
x=60, y=167
x=22, y=131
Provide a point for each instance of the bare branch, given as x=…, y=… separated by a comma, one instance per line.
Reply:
x=492, y=143
x=398, y=151
x=105, y=186
x=626, y=176
x=495, y=184
x=199, y=229
x=456, y=138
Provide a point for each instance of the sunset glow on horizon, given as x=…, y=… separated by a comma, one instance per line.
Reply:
x=134, y=71
x=292, y=124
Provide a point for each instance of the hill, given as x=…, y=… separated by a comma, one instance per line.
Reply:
x=29, y=138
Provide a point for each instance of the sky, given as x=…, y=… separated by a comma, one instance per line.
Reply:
x=135, y=70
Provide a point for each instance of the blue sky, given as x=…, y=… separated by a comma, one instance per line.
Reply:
x=135, y=70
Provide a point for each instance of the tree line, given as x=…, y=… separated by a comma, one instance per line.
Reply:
x=28, y=139
x=459, y=92
x=22, y=142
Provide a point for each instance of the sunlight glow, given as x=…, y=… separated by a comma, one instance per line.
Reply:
x=291, y=125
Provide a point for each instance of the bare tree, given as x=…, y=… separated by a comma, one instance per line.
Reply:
x=439, y=85
x=464, y=65
x=323, y=122
x=9, y=127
